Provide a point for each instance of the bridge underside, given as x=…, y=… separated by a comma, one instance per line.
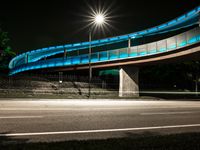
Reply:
x=129, y=68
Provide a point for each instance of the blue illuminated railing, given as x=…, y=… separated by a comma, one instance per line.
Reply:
x=185, y=20
x=169, y=44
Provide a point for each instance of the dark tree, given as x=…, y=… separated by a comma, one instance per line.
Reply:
x=6, y=52
x=193, y=72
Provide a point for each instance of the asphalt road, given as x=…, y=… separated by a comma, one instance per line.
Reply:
x=59, y=120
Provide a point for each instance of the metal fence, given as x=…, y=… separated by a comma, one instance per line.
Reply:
x=59, y=80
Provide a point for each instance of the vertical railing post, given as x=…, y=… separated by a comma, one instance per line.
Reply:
x=186, y=42
x=78, y=53
x=129, y=47
x=147, y=48
x=26, y=58
x=65, y=53
x=176, y=41
x=98, y=56
x=157, y=47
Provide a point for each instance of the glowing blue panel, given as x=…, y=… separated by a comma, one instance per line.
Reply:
x=95, y=42
x=191, y=12
x=44, y=49
x=113, y=54
x=123, y=55
x=104, y=40
x=94, y=60
x=198, y=37
x=133, y=54
x=84, y=59
x=162, y=49
x=142, y=32
x=103, y=56
x=68, y=45
x=76, y=60
x=94, y=57
x=182, y=43
x=153, y=51
x=37, y=66
x=132, y=36
x=85, y=43
x=172, y=46
x=192, y=40
x=123, y=37
x=142, y=53
x=152, y=29
x=114, y=38
x=162, y=26
x=77, y=44
x=53, y=47
x=67, y=62
x=199, y=8
x=172, y=22
x=38, y=50
x=59, y=46
x=44, y=66
x=32, y=67
x=113, y=57
x=181, y=18
x=57, y=64
x=51, y=64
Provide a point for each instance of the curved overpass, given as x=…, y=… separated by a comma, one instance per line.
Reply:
x=129, y=55
x=24, y=61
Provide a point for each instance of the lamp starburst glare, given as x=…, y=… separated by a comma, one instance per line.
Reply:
x=99, y=19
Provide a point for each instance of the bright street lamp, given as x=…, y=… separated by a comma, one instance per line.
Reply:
x=98, y=19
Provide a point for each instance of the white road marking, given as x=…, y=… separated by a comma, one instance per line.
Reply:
x=89, y=108
x=100, y=131
x=169, y=113
x=19, y=117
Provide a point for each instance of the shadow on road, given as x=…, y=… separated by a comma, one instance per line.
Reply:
x=5, y=140
x=146, y=141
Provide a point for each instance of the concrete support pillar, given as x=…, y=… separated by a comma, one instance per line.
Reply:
x=128, y=84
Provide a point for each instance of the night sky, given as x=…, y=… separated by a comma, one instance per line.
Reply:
x=41, y=23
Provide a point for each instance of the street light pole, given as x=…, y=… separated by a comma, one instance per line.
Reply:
x=98, y=19
x=89, y=57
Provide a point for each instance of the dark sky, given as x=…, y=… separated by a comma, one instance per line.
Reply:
x=33, y=24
